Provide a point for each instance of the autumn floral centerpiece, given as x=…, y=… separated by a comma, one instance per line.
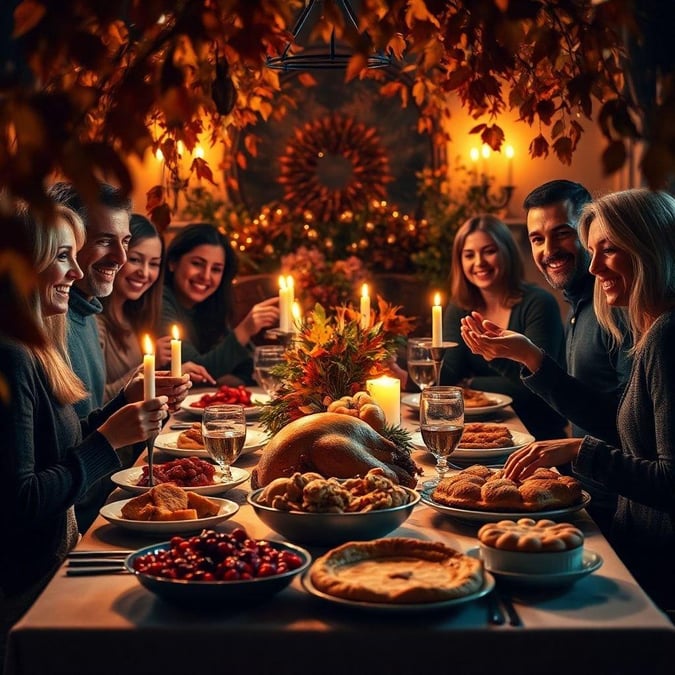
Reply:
x=332, y=356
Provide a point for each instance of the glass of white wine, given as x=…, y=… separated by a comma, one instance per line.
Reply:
x=265, y=358
x=442, y=424
x=224, y=432
x=421, y=366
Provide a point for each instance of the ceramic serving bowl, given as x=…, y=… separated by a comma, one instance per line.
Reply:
x=329, y=529
x=217, y=594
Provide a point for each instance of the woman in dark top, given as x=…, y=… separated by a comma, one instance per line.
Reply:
x=631, y=238
x=201, y=266
x=487, y=275
x=49, y=457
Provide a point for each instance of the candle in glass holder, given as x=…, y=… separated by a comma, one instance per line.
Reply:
x=176, y=352
x=437, y=322
x=365, y=307
x=148, y=369
x=386, y=392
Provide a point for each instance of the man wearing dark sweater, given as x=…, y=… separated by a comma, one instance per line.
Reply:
x=103, y=254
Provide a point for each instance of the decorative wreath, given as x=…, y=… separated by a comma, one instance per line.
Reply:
x=335, y=135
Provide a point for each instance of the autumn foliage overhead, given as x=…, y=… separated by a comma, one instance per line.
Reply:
x=87, y=84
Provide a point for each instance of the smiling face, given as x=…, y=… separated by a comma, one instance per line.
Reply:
x=56, y=280
x=197, y=274
x=556, y=249
x=104, y=252
x=481, y=262
x=611, y=266
x=141, y=271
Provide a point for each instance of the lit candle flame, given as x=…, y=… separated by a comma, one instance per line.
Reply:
x=437, y=299
x=364, y=291
x=148, y=347
x=174, y=332
x=509, y=152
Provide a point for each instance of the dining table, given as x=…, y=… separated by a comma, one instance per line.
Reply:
x=110, y=624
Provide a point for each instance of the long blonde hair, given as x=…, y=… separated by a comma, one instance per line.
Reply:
x=641, y=223
x=53, y=356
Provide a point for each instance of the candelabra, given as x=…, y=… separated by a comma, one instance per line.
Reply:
x=485, y=199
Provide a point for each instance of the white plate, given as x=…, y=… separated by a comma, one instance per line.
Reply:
x=496, y=516
x=113, y=514
x=128, y=479
x=521, y=439
x=590, y=562
x=251, y=411
x=255, y=439
x=500, y=401
x=487, y=586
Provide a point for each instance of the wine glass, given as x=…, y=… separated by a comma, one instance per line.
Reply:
x=442, y=424
x=224, y=432
x=265, y=358
x=421, y=366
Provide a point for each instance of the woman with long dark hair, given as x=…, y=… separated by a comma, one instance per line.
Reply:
x=200, y=267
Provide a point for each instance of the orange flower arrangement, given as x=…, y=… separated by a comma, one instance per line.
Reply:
x=333, y=356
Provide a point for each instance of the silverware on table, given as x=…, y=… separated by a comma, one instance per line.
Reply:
x=509, y=608
x=94, y=571
x=96, y=562
x=495, y=614
x=94, y=553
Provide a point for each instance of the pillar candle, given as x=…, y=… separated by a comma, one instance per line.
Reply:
x=148, y=369
x=296, y=322
x=365, y=307
x=284, y=308
x=176, y=353
x=386, y=392
x=437, y=322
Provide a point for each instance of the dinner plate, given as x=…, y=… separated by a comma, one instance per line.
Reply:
x=255, y=439
x=521, y=439
x=496, y=516
x=113, y=514
x=128, y=479
x=500, y=401
x=488, y=585
x=257, y=400
x=590, y=562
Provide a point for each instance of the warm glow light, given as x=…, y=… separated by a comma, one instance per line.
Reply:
x=159, y=155
x=437, y=299
x=174, y=332
x=486, y=152
x=199, y=152
x=509, y=152
x=364, y=291
x=474, y=154
x=148, y=347
x=282, y=283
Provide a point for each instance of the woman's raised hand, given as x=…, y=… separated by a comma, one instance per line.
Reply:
x=198, y=374
x=175, y=389
x=263, y=315
x=135, y=422
x=490, y=341
x=522, y=463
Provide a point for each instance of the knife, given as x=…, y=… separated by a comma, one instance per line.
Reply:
x=93, y=571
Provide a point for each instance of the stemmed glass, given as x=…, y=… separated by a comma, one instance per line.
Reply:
x=265, y=358
x=421, y=366
x=442, y=424
x=224, y=432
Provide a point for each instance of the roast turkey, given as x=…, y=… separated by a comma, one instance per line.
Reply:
x=332, y=445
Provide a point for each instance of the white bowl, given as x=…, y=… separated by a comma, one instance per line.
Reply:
x=532, y=562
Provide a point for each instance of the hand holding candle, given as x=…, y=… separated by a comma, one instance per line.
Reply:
x=437, y=322
x=176, y=352
x=365, y=307
x=148, y=369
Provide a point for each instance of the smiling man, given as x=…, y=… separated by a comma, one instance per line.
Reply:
x=101, y=257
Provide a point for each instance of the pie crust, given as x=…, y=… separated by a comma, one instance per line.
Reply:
x=397, y=570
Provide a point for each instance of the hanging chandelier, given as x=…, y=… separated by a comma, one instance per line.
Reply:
x=315, y=59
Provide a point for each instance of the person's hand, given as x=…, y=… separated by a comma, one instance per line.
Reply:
x=135, y=422
x=522, y=463
x=163, y=350
x=198, y=374
x=174, y=388
x=487, y=339
x=263, y=315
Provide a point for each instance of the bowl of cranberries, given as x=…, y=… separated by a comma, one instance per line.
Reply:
x=206, y=569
